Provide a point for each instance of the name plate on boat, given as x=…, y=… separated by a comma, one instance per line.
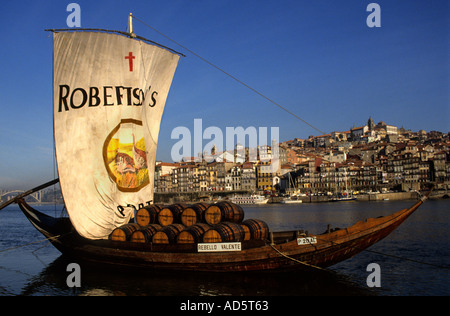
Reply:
x=219, y=247
x=306, y=241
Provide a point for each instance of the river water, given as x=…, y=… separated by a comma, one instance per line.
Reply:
x=418, y=261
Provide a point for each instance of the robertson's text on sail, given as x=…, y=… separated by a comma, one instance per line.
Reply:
x=106, y=96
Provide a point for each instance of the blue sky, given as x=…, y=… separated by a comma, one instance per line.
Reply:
x=318, y=58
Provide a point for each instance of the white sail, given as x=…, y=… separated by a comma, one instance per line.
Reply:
x=109, y=96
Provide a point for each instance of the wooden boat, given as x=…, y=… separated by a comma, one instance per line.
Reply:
x=343, y=199
x=281, y=251
x=293, y=199
x=109, y=95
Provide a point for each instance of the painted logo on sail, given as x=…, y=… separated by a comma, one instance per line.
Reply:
x=125, y=156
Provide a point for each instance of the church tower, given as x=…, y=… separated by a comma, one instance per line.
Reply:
x=370, y=124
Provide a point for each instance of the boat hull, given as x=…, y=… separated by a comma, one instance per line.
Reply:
x=282, y=252
x=343, y=199
x=250, y=200
x=292, y=202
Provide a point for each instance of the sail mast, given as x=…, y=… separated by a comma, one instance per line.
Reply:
x=130, y=25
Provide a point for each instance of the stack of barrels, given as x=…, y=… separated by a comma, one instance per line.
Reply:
x=189, y=224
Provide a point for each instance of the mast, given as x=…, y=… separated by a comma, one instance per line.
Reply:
x=130, y=25
x=346, y=189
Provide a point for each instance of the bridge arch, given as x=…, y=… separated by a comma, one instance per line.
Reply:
x=37, y=195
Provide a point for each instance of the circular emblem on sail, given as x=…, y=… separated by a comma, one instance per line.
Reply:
x=125, y=156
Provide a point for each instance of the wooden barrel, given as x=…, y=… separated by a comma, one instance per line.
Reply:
x=247, y=233
x=224, y=212
x=258, y=229
x=167, y=234
x=124, y=232
x=145, y=234
x=148, y=215
x=193, y=214
x=171, y=214
x=224, y=232
x=193, y=234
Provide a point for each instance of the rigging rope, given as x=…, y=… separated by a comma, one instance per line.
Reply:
x=298, y=261
x=231, y=76
x=289, y=112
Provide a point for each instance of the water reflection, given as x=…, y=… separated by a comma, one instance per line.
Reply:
x=119, y=281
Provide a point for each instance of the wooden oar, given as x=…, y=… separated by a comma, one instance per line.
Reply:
x=22, y=195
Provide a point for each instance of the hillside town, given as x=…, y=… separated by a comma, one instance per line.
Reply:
x=370, y=158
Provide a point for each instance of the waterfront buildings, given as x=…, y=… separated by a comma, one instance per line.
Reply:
x=368, y=158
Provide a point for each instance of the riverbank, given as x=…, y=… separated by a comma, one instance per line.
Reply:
x=391, y=196
x=217, y=196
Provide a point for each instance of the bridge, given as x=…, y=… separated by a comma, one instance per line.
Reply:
x=11, y=194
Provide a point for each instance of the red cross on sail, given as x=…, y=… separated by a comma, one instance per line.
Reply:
x=130, y=58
